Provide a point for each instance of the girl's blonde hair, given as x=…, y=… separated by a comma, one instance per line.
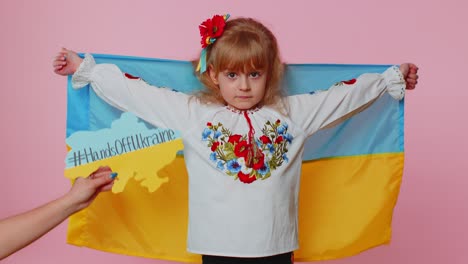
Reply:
x=246, y=45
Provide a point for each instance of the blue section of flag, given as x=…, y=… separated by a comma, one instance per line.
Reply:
x=378, y=129
x=77, y=109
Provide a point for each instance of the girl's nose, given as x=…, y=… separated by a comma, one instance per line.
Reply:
x=244, y=84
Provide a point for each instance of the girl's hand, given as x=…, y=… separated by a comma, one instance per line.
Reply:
x=410, y=73
x=66, y=62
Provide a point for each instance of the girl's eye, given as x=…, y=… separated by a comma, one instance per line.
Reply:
x=255, y=74
x=231, y=75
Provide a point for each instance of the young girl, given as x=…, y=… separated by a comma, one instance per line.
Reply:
x=243, y=139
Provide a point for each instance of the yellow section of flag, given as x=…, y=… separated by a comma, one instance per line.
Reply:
x=346, y=206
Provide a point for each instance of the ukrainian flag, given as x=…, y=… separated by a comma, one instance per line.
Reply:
x=351, y=173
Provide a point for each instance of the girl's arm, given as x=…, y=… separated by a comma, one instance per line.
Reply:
x=327, y=108
x=159, y=106
x=21, y=230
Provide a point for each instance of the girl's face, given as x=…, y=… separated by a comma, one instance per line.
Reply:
x=240, y=90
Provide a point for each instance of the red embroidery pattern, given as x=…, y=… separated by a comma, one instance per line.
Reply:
x=230, y=152
x=129, y=76
x=348, y=82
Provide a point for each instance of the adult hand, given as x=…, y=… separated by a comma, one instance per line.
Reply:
x=84, y=190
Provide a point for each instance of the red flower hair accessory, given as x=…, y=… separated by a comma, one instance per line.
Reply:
x=210, y=30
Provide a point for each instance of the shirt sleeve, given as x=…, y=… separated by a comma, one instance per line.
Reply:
x=326, y=108
x=162, y=107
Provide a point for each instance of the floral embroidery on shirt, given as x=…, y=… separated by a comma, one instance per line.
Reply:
x=229, y=151
x=129, y=76
x=348, y=82
x=132, y=77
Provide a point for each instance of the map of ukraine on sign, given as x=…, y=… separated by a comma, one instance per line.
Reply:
x=128, y=147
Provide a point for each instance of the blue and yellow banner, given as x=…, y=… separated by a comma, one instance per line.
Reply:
x=351, y=173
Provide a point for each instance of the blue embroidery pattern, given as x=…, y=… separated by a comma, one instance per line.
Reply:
x=229, y=152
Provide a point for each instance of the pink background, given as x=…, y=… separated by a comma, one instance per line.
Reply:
x=431, y=215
